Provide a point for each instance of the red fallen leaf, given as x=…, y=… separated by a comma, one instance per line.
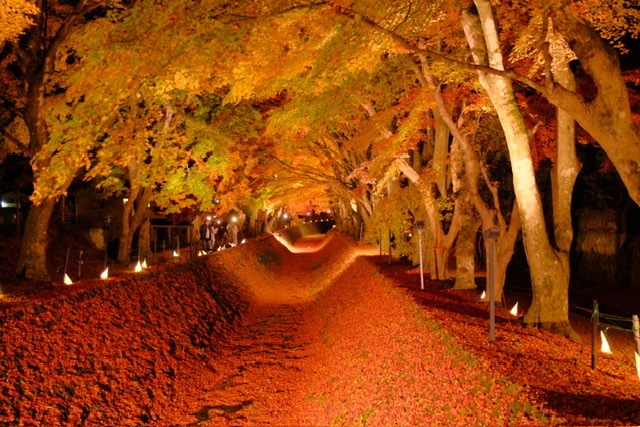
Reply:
x=363, y=352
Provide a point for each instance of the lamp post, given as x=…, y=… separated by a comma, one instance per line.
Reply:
x=420, y=227
x=491, y=235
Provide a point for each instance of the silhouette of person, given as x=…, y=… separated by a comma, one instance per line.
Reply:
x=233, y=228
x=207, y=235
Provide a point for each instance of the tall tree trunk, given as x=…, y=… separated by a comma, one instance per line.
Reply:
x=490, y=217
x=466, y=243
x=135, y=213
x=441, y=154
x=506, y=244
x=37, y=53
x=548, y=272
x=563, y=176
x=144, y=239
x=32, y=263
x=126, y=234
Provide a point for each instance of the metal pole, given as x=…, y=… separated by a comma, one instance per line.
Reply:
x=594, y=335
x=492, y=296
x=491, y=235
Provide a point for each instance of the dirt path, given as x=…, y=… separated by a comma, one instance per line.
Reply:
x=263, y=369
x=328, y=341
x=255, y=369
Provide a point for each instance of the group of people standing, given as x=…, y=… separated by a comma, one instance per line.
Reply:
x=209, y=233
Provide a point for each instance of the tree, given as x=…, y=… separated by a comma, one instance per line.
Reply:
x=16, y=18
x=549, y=266
x=29, y=75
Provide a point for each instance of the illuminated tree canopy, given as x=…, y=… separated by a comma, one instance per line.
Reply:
x=385, y=113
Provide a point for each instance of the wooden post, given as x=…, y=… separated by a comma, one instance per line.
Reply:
x=389, y=247
x=636, y=332
x=420, y=227
x=594, y=335
x=79, y=264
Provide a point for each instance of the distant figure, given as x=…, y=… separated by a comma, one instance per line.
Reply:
x=207, y=235
x=233, y=228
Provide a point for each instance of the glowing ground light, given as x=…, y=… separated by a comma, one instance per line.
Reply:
x=176, y=254
x=605, y=344
x=514, y=310
x=67, y=279
x=105, y=273
x=484, y=294
x=144, y=263
x=138, y=267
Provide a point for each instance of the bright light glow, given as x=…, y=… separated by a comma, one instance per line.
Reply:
x=637, y=363
x=328, y=211
x=234, y=219
x=201, y=253
x=208, y=217
x=67, y=280
x=605, y=344
x=105, y=273
x=125, y=200
x=243, y=241
x=176, y=254
x=514, y=310
x=138, y=267
x=285, y=215
x=144, y=263
x=484, y=294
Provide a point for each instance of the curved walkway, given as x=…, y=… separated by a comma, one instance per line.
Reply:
x=329, y=341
